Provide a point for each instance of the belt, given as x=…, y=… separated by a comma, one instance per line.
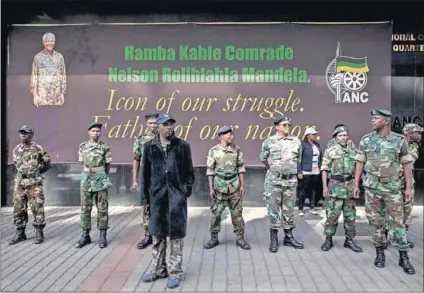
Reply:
x=383, y=179
x=226, y=177
x=342, y=178
x=94, y=169
x=284, y=176
x=29, y=176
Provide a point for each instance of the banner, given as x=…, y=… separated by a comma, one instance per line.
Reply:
x=62, y=78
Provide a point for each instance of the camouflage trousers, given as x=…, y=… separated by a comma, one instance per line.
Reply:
x=379, y=205
x=167, y=256
x=145, y=212
x=235, y=203
x=280, y=201
x=101, y=199
x=335, y=206
x=32, y=196
x=407, y=207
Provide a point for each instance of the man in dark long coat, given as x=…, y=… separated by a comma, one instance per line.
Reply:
x=167, y=181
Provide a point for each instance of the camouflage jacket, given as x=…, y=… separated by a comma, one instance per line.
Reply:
x=383, y=158
x=414, y=151
x=225, y=164
x=30, y=162
x=284, y=157
x=94, y=157
x=139, y=143
x=338, y=160
x=333, y=141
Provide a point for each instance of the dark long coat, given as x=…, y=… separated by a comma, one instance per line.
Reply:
x=167, y=181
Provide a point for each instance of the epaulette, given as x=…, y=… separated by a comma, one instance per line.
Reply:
x=82, y=145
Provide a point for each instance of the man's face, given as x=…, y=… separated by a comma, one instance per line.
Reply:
x=227, y=138
x=378, y=122
x=152, y=124
x=415, y=136
x=166, y=129
x=48, y=44
x=25, y=136
x=283, y=127
x=342, y=137
x=94, y=133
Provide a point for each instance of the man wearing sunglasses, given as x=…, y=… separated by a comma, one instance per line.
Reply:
x=281, y=154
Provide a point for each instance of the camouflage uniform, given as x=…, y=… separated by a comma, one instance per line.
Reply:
x=333, y=142
x=95, y=158
x=94, y=182
x=382, y=158
x=138, y=154
x=283, y=155
x=30, y=162
x=340, y=162
x=225, y=164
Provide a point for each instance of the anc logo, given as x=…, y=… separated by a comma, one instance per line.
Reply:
x=346, y=78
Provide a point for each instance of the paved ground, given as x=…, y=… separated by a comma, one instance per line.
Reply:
x=57, y=266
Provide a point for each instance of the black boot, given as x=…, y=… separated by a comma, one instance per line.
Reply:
x=349, y=243
x=242, y=243
x=380, y=259
x=212, y=242
x=386, y=233
x=85, y=239
x=290, y=241
x=102, y=238
x=273, y=246
x=39, y=235
x=19, y=236
x=328, y=244
x=147, y=240
x=405, y=264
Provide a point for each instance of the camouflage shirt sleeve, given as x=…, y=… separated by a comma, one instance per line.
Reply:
x=107, y=154
x=240, y=162
x=265, y=152
x=326, y=161
x=413, y=150
x=80, y=148
x=404, y=156
x=14, y=155
x=210, y=163
x=137, y=150
x=45, y=158
x=360, y=155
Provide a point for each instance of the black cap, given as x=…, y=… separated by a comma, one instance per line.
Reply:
x=225, y=129
x=151, y=115
x=280, y=119
x=163, y=118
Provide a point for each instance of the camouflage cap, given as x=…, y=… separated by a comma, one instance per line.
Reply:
x=163, y=118
x=412, y=127
x=340, y=129
x=381, y=112
x=95, y=124
x=151, y=115
x=225, y=129
x=280, y=118
x=26, y=128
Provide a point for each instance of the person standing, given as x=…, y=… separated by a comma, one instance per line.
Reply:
x=281, y=154
x=382, y=154
x=151, y=130
x=412, y=133
x=310, y=164
x=95, y=156
x=167, y=182
x=31, y=160
x=339, y=161
x=225, y=171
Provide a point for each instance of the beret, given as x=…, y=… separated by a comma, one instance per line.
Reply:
x=279, y=119
x=95, y=124
x=225, y=129
x=340, y=129
x=151, y=115
x=412, y=127
x=381, y=112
